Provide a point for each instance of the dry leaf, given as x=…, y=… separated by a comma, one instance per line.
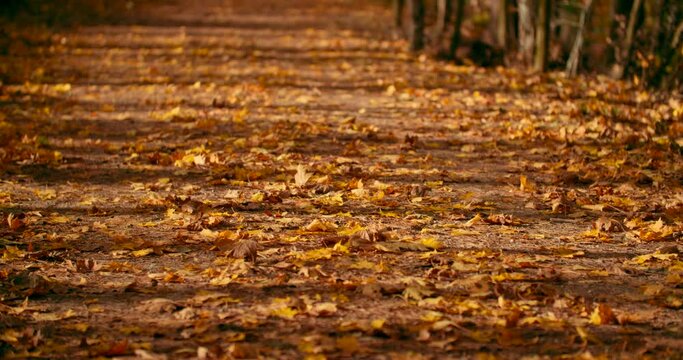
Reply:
x=301, y=177
x=244, y=249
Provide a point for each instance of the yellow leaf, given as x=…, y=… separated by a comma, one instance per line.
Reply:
x=334, y=199
x=363, y=265
x=431, y=316
x=388, y=214
x=284, y=312
x=234, y=337
x=313, y=255
x=377, y=324
x=62, y=88
x=477, y=219
x=239, y=116
x=340, y=248
x=12, y=253
x=513, y=276
x=642, y=259
x=58, y=220
x=55, y=316
x=348, y=231
x=525, y=184
x=432, y=243
x=143, y=252
x=225, y=277
x=602, y=315
x=170, y=115
x=320, y=226
x=47, y=194
x=257, y=197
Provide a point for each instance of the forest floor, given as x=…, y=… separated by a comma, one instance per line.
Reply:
x=281, y=179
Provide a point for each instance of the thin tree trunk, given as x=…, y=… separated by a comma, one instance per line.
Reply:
x=575, y=55
x=502, y=26
x=526, y=30
x=625, y=52
x=457, y=24
x=417, y=11
x=667, y=30
x=542, y=36
x=442, y=14
x=399, y=5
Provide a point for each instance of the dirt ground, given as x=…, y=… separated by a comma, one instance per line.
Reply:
x=281, y=179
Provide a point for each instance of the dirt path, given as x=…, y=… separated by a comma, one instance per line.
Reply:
x=450, y=211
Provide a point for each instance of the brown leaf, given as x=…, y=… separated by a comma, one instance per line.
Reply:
x=15, y=221
x=603, y=315
x=371, y=234
x=502, y=219
x=158, y=306
x=608, y=225
x=244, y=249
x=116, y=349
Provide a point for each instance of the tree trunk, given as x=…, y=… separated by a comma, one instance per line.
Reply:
x=668, y=28
x=502, y=25
x=399, y=5
x=417, y=11
x=457, y=24
x=625, y=52
x=542, y=36
x=575, y=55
x=443, y=14
x=526, y=30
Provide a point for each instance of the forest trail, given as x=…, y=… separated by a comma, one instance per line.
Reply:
x=281, y=179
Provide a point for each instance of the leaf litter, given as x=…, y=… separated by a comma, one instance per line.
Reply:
x=316, y=192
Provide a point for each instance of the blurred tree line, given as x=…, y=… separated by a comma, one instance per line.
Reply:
x=640, y=40
x=63, y=12
x=54, y=13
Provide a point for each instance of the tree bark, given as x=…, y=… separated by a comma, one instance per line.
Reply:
x=417, y=11
x=663, y=72
x=399, y=5
x=442, y=16
x=457, y=24
x=625, y=52
x=575, y=55
x=542, y=36
x=502, y=25
x=526, y=30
